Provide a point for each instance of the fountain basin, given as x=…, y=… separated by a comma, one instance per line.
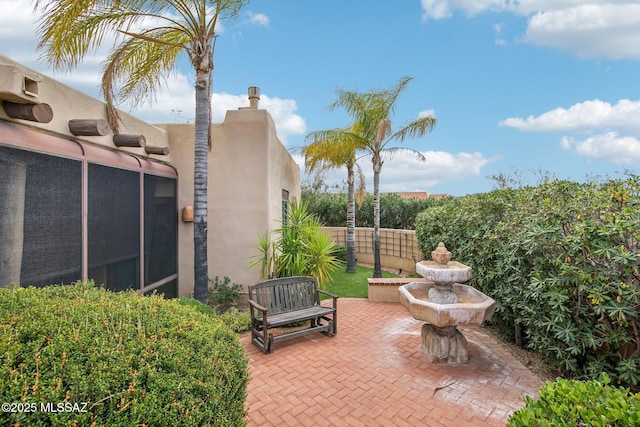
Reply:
x=444, y=274
x=473, y=307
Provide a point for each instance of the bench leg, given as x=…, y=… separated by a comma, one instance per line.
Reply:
x=262, y=339
x=265, y=345
x=332, y=326
x=335, y=322
x=270, y=344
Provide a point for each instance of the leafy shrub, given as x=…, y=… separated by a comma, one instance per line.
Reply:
x=579, y=403
x=235, y=319
x=395, y=212
x=299, y=250
x=198, y=306
x=562, y=262
x=134, y=360
x=331, y=208
x=224, y=295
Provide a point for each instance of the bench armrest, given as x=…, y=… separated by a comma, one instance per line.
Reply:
x=334, y=296
x=257, y=306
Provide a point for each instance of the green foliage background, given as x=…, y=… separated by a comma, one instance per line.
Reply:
x=562, y=260
x=395, y=212
x=134, y=360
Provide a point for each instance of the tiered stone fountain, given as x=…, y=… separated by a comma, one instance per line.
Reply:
x=444, y=303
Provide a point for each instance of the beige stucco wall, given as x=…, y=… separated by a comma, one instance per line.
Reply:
x=248, y=169
x=68, y=103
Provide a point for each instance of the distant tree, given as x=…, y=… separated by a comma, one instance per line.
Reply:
x=371, y=113
x=154, y=35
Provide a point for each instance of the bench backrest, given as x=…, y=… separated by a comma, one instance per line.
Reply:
x=286, y=294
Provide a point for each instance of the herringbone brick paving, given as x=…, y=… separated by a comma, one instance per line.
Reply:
x=373, y=373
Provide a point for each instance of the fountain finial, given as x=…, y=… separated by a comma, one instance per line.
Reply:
x=441, y=255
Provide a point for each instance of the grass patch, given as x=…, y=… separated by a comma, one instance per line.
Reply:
x=352, y=285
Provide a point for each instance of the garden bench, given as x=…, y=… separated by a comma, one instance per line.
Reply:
x=279, y=302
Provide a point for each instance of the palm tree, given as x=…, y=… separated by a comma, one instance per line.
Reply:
x=332, y=149
x=152, y=36
x=372, y=113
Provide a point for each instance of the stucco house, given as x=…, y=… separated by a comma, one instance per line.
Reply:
x=78, y=202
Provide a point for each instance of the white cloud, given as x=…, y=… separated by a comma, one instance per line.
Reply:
x=440, y=9
x=427, y=113
x=593, y=29
x=527, y=7
x=17, y=32
x=282, y=111
x=623, y=150
x=596, y=117
x=584, y=116
x=405, y=172
x=435, y=9
x=589, y=30
x=259, y=19
x=498, y=30
x=174, y=103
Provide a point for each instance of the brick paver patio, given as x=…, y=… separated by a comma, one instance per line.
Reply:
x=373, y=373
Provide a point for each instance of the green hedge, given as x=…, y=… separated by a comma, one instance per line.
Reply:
x=579, y=403
x=395, y=212
x=125, y=359
x=562, y=261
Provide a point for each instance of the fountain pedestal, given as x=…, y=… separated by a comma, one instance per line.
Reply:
x=444, y=345
x=444, y=304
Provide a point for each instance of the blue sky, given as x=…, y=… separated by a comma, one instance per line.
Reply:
x=521, y=88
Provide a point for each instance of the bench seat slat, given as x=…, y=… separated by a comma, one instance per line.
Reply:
x=297, y=316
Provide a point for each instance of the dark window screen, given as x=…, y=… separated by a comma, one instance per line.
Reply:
x=114, y=227
x=40, y=218
x=161, y=224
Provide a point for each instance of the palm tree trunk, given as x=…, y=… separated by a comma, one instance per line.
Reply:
x=200, y=178
x=351, y=221
x=377, y=268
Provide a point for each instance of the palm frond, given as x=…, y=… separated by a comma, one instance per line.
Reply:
x=383, y=129
x=416, y=128
x=137, y=68
x=330, y=148
x=151, y=39
x=391, y=97
x=390, y=152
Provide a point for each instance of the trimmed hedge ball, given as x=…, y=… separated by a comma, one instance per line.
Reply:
x=79, y=355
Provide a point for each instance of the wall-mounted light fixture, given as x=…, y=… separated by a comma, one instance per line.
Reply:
x=187, y=214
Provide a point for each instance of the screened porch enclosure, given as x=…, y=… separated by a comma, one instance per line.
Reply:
x=71, y=211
